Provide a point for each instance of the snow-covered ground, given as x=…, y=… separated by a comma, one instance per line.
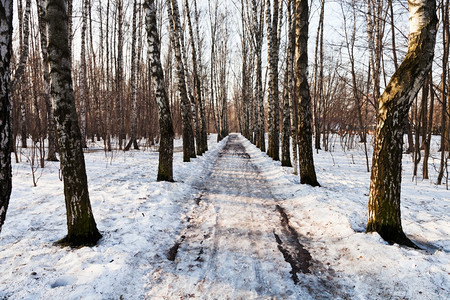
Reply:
x=141, y=219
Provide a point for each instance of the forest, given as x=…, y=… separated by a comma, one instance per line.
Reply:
x=298, y=80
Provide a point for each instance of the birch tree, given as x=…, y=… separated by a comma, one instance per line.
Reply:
x=258, y=30
x=52, y=141
x=165, y=167
x=6, y=29
x=305, y=152
x=273, y=41
x=188, y=136
x=20, y=71
x=82, y=229
x=83, y=74
x=385, y=185
x=134, y=62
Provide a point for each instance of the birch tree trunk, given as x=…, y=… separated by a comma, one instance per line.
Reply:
x=165, y=166
x=52, y=141
x=20, y=71
x=444, y=95
x=83, y=74
x=201, y=118
x=133, y=140
x=188, y=136
x=292, y=98
x=384, y=197
x=273, y=50
x=258, y=36
x=119, y=74
x=82, y=229
x=6, y=31
x=305, y=152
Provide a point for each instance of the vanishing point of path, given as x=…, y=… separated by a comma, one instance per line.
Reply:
x=238, y=243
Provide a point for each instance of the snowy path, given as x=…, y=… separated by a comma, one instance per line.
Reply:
x=231, y=245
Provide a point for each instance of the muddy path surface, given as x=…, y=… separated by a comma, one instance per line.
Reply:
x=237, y=242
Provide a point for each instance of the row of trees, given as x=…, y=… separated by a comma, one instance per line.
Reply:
x=118, y=77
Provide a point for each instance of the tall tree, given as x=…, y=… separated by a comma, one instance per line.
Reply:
x=444, y=95
x=188, y=136
x=258, y=30
x=305, y=152
x=6, y=17
x=83, y=74
x=82, y=229
x=202, y=142
x=165, y=168
x=119, y=73
x=292, y=99
x=52, y=141
x=273, y=40
x=20, y=71
x=134, y=63
x=385, y=185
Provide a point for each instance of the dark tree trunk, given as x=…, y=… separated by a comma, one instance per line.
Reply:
x=6, y=29
x=165, y=167
x=305, y=152
x=384, y=197
x=82, y=229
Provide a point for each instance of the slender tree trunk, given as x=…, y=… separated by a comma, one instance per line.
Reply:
x=82, y=229
x=291, y=82
x=273, y=50
x=444, y=128
x=202, y=143
x=306, y=160
x=384, y=199
x=133, y=140
x=317, y=99
x=52, y=141
x=108, y=83
x=119, y=74
x=188, y=136
x=286, y=132
x=83, y=74
x=165, y=168
x=427, y=135
x=6, y=142
x=258, y=36
x=20, y=71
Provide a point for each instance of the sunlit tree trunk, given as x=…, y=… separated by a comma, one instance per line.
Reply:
x=305, y=152
x=82, y=229
x=6, y=30
x=165, y=167
x=384, y=196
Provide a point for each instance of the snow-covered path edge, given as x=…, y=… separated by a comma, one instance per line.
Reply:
x=138, y=217
x=331, y=220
